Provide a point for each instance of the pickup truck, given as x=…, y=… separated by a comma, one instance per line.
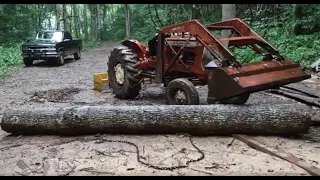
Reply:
x=51, y=45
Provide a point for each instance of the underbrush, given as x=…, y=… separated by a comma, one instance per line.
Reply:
x=91, y=44
x=9, y=57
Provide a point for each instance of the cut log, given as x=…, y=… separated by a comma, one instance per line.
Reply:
x=302, y=97
x=275, y=119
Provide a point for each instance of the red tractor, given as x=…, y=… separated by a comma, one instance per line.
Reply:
x=184, y=55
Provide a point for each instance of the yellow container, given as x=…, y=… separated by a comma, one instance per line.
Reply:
x=100, y=81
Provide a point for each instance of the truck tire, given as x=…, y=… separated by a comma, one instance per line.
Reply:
x=237, y=100
x=27, y=62
x=123, y=71
x=60, y=59
x=77, y=55
x=181, y=92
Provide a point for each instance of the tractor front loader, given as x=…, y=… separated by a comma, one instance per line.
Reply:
x=184, y=55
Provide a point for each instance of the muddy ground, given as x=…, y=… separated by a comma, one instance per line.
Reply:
x=47, y=86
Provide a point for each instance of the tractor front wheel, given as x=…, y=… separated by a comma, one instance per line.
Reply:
x=181, y=92
x=124, y=73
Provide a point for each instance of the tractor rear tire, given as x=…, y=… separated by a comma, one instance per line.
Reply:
x=181, y=92
x=130, y=84
x=237, y=100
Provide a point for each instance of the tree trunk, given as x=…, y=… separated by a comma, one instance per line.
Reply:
x=98, y=22
x=228, y=12
x=39, y=10
x=57, y=17
x=193, y=12
x=127, y=18
x=278, y=119
x=75, y=20
x=50, y=24
x=85, y=22
x=166, y=12
x=201, y=12
x=93, y=22
x=104, y=14
x=64, y=17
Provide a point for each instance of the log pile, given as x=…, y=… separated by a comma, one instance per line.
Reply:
x=275, y=119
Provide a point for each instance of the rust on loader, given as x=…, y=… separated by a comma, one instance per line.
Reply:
x=187, y=54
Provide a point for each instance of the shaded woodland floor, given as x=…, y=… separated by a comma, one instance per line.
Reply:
x=46, y=86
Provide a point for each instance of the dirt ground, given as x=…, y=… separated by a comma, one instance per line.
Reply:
x=71, y=84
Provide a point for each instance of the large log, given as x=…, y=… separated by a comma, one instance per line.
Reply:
x=276, y=119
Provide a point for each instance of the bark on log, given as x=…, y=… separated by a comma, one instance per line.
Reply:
x=302, y=97
x=277, y=119
x=51, y=167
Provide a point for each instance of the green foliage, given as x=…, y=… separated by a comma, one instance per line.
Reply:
x=273, y=22
x=90, y=44
x=304, y=49
x=9, y=56
x=293, y=29
x=19, y=21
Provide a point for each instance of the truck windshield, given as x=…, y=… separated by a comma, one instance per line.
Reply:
x=46, y=35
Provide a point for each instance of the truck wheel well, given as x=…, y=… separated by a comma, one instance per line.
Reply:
x=60, y=49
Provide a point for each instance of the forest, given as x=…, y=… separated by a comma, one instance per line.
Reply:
x=293, y=28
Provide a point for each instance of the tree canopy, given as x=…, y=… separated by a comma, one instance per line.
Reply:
x=293, y=28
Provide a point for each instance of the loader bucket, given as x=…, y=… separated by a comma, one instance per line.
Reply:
x=228, y=82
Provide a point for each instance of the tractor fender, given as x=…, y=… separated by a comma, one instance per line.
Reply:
x=136, y=46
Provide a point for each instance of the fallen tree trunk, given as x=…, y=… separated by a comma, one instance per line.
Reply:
x=302, y=97
x=277, y=119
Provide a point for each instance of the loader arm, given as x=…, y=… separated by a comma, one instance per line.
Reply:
x=204, y=37
x=247, y=35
